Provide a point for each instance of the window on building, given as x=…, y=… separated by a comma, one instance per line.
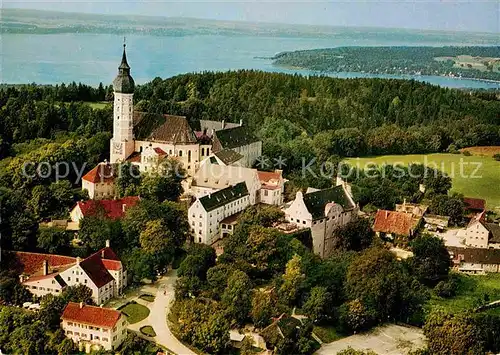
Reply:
x=180, y=153
x=189, y=156
x=77, y=280
x=69, y=278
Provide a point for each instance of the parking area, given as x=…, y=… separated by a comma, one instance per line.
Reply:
x=390, y=339
x=452, y=237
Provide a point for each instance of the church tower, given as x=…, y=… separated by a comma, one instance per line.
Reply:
x=122, y=143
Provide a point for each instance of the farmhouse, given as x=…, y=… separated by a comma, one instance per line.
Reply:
x=323, y=211
x=473, y=206
x=94, y=328
x=390, y=224
x=44, y=274
x=475, y=260
x=481, y=234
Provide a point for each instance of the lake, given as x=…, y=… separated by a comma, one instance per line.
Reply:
x=94, y=58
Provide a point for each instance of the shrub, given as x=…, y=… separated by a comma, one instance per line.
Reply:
x=496, y=157
x=446, y=288
x=466, y=153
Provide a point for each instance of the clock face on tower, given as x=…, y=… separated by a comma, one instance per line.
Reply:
x=117, y=147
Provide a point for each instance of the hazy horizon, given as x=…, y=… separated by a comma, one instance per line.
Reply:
x=471, y=16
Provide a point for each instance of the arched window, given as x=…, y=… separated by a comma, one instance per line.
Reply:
x=202, y=151
x=180, y=153
x=189, y=156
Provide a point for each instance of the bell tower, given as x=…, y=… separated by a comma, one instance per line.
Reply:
x=122, y=143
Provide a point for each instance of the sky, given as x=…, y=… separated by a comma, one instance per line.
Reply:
x=452, y=15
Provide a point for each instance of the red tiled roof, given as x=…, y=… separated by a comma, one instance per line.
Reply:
x=96, y=270
x=114, y=209
x=266, y=176
x=96, y=266
x=103, y=172
x=399, y=223
x=95, y=316
x=159, y=151
x=30, y=263
x=112, y=264
x=134, y=158
x=474, y=203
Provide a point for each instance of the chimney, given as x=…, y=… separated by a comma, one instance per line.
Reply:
x=102, y=254
x=81, y=305
x=45, y=268
x=386, y=214
x=223, y=123
x=107, y=243
x=123, y=207
x=404, y=202
x=213, y=132
x=78, y=259
x=241, y=122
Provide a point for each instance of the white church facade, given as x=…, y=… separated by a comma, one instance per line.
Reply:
x=172, y=135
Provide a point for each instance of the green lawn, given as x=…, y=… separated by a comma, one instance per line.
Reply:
x=471, y=290
x=147, y=297
x=135, y=312
x=482, y=183
x=148, y=331
x=98, y=105
x=327, y=334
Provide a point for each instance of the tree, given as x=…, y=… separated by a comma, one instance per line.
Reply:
x=263, y=307
x=187, y=286
x=355, y=316
x=264, y=252
x=202, y=324
x=431, y=261
x=237, y=296
x=171, y=214
x=156, y=238
x=217, y=277
x=448, y=206
x=453, y=334
x=380, y=282
x=141, y=265
x=53, y=240
x=351, y=351
x=95, y=230
x=292, y=280
x=318, y=304
x=164, y=183
x=129, y=180
x=200, y=258
x=356, y=235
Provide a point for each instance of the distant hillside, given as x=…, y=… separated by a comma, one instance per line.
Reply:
x=479, y=62
x=46, y=22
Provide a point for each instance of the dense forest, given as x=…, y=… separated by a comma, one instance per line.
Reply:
x=483, y=64
x=317, y=118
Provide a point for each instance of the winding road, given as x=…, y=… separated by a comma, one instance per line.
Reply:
x=159, y=310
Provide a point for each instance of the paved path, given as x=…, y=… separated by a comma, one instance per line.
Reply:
x=389, y=339
x=158, y=316
x=163, y=290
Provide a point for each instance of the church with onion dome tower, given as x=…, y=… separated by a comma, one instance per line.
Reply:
x=122, y=144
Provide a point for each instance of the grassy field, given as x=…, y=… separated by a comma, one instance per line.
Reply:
x=98, y=105
x=327, y=334
x=473, y=176
x=148, y=331
x=471, y=290
x=147, y=297
x=135, y=312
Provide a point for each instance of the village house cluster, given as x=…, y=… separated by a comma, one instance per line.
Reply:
x=474, y=249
